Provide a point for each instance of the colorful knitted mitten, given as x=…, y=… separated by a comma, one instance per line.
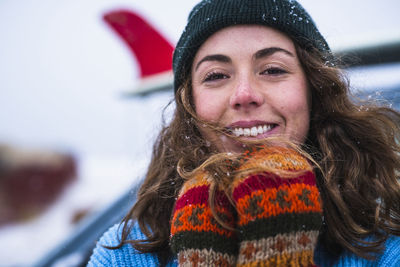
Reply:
x=277, y=214
x=196, y=237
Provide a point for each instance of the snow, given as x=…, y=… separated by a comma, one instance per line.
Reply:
x=101, y=181
x=102, y=178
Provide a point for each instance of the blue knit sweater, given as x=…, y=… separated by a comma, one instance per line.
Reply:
x=128, y=256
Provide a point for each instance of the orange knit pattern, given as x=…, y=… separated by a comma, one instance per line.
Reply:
x=182, y=220
x=290, y=197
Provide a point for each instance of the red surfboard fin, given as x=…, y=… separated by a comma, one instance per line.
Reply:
x=152, y=51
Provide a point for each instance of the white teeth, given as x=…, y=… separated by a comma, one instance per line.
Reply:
x=253, y=131
x=239, y=131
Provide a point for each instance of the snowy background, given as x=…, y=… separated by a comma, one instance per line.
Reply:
x=62, y=75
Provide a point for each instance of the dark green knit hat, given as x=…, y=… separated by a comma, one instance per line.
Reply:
x=210, y=16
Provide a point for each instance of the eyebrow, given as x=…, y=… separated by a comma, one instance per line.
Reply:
x=217, y=57
x=266, y=52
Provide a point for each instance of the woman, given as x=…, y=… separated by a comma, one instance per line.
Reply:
x=258, y=92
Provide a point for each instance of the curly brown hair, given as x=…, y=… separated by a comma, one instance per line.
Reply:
x=354, y=142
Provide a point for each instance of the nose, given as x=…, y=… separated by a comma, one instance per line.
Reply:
x=246, y=95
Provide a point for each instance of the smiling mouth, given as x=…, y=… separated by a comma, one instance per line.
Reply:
x=252, y=131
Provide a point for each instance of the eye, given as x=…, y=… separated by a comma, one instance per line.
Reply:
x=214, y=76
x=275, y=71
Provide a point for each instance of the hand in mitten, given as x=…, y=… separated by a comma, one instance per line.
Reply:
x=279, y=210
x=196, y=237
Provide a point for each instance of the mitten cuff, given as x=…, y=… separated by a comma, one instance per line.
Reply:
x=196, y=236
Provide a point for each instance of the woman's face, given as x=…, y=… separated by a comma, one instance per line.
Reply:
x=249, y=80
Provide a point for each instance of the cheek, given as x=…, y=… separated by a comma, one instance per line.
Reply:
x=207, y=110
x=295, y=107
x=296, y=98
x=297, y=103
x=209, y=106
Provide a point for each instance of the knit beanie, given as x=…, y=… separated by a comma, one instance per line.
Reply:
x=210, y=16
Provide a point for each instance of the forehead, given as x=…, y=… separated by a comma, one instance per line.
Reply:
x=244, y=37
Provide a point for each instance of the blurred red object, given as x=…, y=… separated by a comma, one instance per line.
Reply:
x=152, y=50
x=31, y=180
